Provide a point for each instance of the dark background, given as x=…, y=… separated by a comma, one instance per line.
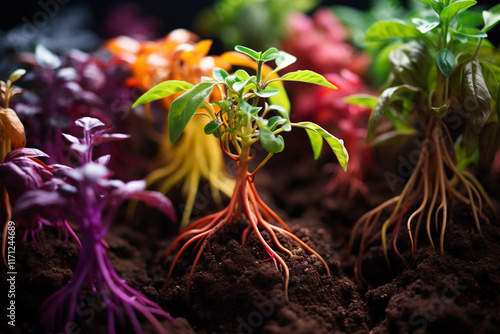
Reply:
x=172, y=14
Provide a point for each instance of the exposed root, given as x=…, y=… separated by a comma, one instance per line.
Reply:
x=244, y=202
x=432, y=187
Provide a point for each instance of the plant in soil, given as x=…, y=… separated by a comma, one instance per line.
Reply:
x=89, y=197
x=177, y=56
x=443, y=88
x=240, y=120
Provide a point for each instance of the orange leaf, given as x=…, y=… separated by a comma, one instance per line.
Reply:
x=13, y=127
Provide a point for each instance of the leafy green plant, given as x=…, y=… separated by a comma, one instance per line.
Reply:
x=242, y=119
x=444, y=86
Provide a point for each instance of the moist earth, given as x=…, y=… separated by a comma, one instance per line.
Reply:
x=237, y=289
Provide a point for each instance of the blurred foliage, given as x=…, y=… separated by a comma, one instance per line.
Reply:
x=259, y=24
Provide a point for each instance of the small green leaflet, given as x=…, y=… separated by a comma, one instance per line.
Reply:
x=308, y=77
x=184, y=107
x=249, y=52
x=446, y=61
x=211, y=127
x=384, y=30
x=435, y=4
x=362, y=100
x=266, y=93
x=424, y=26
x=269, y=55
x=491, y=18
x=270, y=142
x=450, y=11
x=317, y=134
x=282, y=61
x=162, y=90
x=220, y=74
x=384, y=101
x=16, y=75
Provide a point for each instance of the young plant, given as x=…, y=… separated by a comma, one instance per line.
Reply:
x=67, y=87
x=242, y=119
x=88, y=197
x=178, y=57
x=21, y=172
x=445, y=86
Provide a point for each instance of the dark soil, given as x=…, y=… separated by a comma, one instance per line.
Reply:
x=234, y=290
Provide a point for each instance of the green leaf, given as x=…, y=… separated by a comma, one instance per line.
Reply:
x=281, y=98
x=220, y=74
x=491, y=74
x=316, y=134
x=308, y=77
x=410, y=63
x=16, y=75
x=249, y=52
x=269, y=55
x=282, y=111
x=267, y=93
x=491, y=17
x=362, y=100
x=435, y=4
x=275, y=121
x=231, y=80
x=270, y=142
x=446, y=61
x=424, y=26
x=283, y=60
x=475, y=95
x=384, y=30
x=450, y=11
x=470, y=32
x=242, y=74
x=239, y=86
x=384, y=101
x=211, y=127
x=162, y=90
x=248, y=108
x=184, y=107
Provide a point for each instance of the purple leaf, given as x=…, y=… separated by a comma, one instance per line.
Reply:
x=24, y=152
x=110, y=137
x=104, y=160
x=71, y=139
x=38, y=202
x=157, y=200
x=88, y=123
x=45, y=58
x=67, y=74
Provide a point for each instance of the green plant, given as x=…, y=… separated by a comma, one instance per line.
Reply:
x=444, y=87
x=242, y=119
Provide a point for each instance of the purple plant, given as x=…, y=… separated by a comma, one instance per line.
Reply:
x=68, y=87
x=87, y=196
x=21, y=172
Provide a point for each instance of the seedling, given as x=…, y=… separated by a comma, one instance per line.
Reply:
x=89, y=197
x=444, y=83
x=242, y=119
x=22, y=171
x=196, y=157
